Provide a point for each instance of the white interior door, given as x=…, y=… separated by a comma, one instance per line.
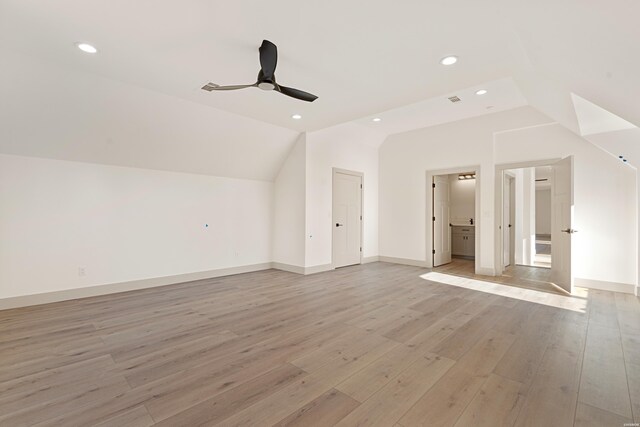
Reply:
x=347, y=217
x=506, y=221
x=562, y=222
x=512, y=221
x=441, y=219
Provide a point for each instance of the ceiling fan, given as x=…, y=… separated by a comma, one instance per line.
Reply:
x=266, y=76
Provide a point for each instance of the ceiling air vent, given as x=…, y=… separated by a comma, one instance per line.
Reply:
x=210, y=86
x=454, y=99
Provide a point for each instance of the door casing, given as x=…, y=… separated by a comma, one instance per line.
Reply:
x=499, y=203
x=428, y=260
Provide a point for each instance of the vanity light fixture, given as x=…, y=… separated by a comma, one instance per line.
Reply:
x=467, y=175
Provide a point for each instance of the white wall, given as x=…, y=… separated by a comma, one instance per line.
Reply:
x=122, y=224
x=543, y=211
x=67, y=114
x=289, y=208
x=404, y=160
x=463, y=199
x=605, y=202
x=349, y=146
x=605, y=210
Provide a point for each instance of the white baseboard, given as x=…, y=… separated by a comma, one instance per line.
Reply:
x=318, y=269
x=369, y=259
x=288, y=267
x=112, y=288
x=486, y=271
x=403, y=261
x=301, y=270
x=625, y=288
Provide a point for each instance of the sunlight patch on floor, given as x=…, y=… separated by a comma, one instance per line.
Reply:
x=577, y=302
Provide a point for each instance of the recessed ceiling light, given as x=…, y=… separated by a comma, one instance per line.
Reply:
x=481, y=92
x=86, y=47
x=449, y=60
x=296, y=117
x=376, y=119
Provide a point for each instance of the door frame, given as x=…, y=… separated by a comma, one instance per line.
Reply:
x=499, y=204
x=429, y=211
x=335, y=171
x=512, y=208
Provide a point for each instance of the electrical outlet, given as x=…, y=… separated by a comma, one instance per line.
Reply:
x=81, y=272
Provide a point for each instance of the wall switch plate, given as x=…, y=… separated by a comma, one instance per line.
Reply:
x=81, y=272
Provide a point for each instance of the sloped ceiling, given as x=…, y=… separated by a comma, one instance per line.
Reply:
x=594, y=119
x=61, y=113
x=585, y=47
x=138, y=101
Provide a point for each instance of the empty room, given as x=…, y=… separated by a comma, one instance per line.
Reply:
x=338, y=213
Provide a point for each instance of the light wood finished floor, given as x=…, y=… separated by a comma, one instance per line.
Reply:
x=517, y=275
x=364, y=345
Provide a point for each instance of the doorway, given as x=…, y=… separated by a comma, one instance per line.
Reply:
x=347, y=218
x=526, y=218
x=453, y=217
x=536, y=208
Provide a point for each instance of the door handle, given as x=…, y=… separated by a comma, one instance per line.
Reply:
x=339, y=225
x=569, y=231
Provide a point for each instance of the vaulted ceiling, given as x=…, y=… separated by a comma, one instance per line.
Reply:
x=363, y=58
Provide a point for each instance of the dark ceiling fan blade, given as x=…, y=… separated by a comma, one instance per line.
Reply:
x=212, y=86
x=296, y=93
x=268, y=59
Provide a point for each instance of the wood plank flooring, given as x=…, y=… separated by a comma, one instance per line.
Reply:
x=374, y=345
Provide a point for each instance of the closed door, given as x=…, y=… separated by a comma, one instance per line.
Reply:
x=562, y=223
x=347, y=217
x=441, y=219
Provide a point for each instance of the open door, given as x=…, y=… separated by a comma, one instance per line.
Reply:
x=561, y=223
x=508, y=221
x=441, y=219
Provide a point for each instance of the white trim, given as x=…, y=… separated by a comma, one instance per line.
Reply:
x=288, y=267
x=301, y=270
x=403, y=261
x=476, y=169
x=626, y=288
x=498, y=132
x=318, y=269
x=112, y=288
x=369, y=259
x=485, y=271
x=500, y=169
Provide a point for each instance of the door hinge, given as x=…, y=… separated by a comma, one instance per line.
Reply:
x=360, y=185
x=434, y=218
x=360, y=217
x=434, y=185
x=434, y=251
x=360, y=248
